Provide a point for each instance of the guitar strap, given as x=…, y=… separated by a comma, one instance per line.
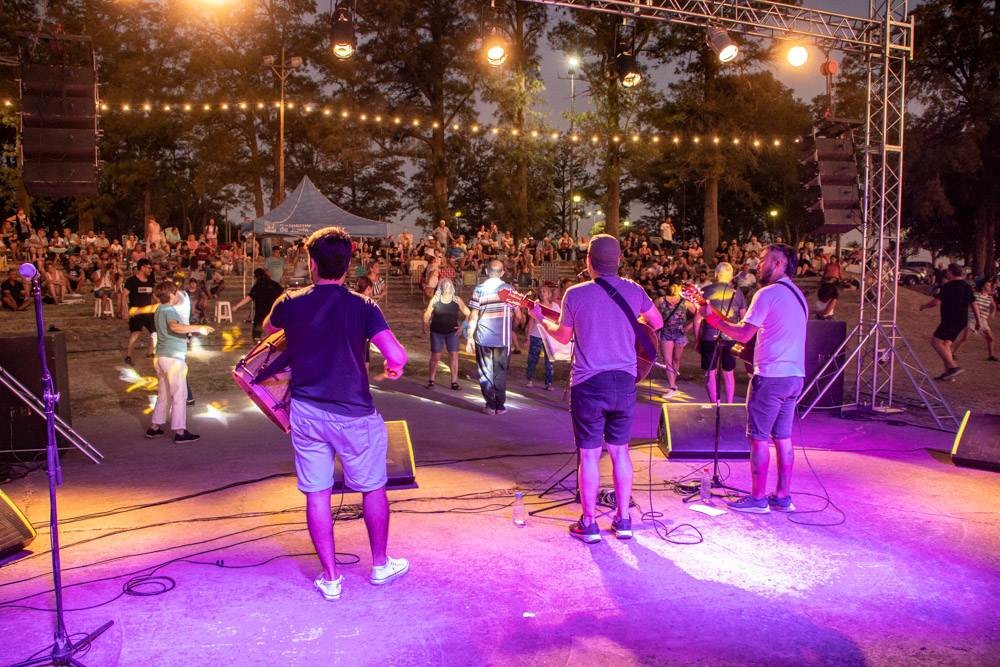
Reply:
x=647, y=345
x=798, y=297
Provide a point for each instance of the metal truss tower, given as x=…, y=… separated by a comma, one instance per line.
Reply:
x=876, y=348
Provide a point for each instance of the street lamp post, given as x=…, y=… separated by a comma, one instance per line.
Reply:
x=281, y=71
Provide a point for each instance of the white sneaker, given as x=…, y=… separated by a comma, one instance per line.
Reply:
x=669, y=393
x=331, y=590
x=393, y=568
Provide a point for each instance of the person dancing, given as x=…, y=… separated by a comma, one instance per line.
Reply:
x=673, y=335
x=777, y=315
x=603, y=373
x=327, y=329
x=441, y=316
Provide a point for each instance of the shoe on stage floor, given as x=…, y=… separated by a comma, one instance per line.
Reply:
x=780, y=504
x=154, y=432
x=622, y=528
x=750, y=504
x=331, y=590
x=393, y=569
x=589, y=534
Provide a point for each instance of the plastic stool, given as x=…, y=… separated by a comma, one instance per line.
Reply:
x=223, y=311
x=101, y=309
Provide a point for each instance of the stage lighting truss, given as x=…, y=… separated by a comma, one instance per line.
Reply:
x=343, y=43
x=626, y=63
x=884, y=39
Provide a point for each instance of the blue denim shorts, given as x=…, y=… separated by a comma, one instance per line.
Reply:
x=602, y=408
x=441, y=342
x=771, y=406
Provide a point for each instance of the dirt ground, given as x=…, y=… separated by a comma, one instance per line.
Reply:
x=100, y=381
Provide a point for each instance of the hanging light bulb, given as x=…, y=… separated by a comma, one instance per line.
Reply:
x=342, y=33
x=720, y=42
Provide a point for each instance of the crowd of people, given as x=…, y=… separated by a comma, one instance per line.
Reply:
x=443, y=261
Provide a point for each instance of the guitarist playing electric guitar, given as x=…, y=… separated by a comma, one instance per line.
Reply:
x=601, y=316
x=777, y=316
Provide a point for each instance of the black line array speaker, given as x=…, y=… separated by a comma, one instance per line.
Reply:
x=977, y=444
x=58, y=115
x=823, y=337
x=399, y=460
x=16, y=532
x=687, y=431
x=22, y=429
x=830, y=176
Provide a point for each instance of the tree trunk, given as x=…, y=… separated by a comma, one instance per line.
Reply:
x=710, y=231
x=439, y=172
x=986, y=238
x=614, y=169
x=147, y=203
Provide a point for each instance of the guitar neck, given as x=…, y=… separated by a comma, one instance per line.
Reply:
x=548, y=313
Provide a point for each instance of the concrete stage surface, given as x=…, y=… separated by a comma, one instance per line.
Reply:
x=910, y=576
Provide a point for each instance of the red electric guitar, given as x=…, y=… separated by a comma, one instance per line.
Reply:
x=644, y=362
x=744, y=351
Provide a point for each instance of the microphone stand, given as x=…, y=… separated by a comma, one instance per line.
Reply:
x=716, y=482
x=63, y=648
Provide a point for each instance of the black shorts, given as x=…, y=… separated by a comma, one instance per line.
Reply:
x=949, y=331
x=725, y=355
x=142, y=321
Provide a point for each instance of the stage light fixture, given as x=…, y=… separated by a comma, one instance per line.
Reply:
x=628, y=70
x=495, y=44
x=720, y=42
x=343, y=41
x=797, y=55
x=626, y=63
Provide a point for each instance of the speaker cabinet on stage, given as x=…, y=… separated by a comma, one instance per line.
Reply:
x=977, y=444
x=823, y=337
x=687, y=431
x=22, y=430
x=399, y=460
x=15, y=530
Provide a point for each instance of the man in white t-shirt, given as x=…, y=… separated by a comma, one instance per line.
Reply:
x=777, y=315
x=667, y=232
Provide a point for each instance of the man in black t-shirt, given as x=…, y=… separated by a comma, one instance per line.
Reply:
x=954, y=297
x=263, y=294
x=140, y=305
x=12, y=291
x=717, y=350
x=327, y=329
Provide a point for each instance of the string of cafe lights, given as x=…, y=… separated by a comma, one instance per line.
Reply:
x=399, y=121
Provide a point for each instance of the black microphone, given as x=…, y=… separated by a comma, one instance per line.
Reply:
x=28, y=271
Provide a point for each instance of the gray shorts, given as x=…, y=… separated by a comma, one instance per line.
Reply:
x=771, y=406
x=360, y=442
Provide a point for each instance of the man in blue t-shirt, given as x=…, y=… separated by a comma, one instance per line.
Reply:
x=328, y=329
x=490, y=333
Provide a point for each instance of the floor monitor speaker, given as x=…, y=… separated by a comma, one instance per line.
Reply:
x=687, y=431
x=16, y=531
x=977, y=444
x=399, y=460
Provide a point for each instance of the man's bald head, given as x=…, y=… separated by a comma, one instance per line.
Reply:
x=495, y=268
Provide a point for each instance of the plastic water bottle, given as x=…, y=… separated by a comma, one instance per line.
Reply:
x=520, y=511
x=705, y=486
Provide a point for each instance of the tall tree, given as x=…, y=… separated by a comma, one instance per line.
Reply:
x=956, y=77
